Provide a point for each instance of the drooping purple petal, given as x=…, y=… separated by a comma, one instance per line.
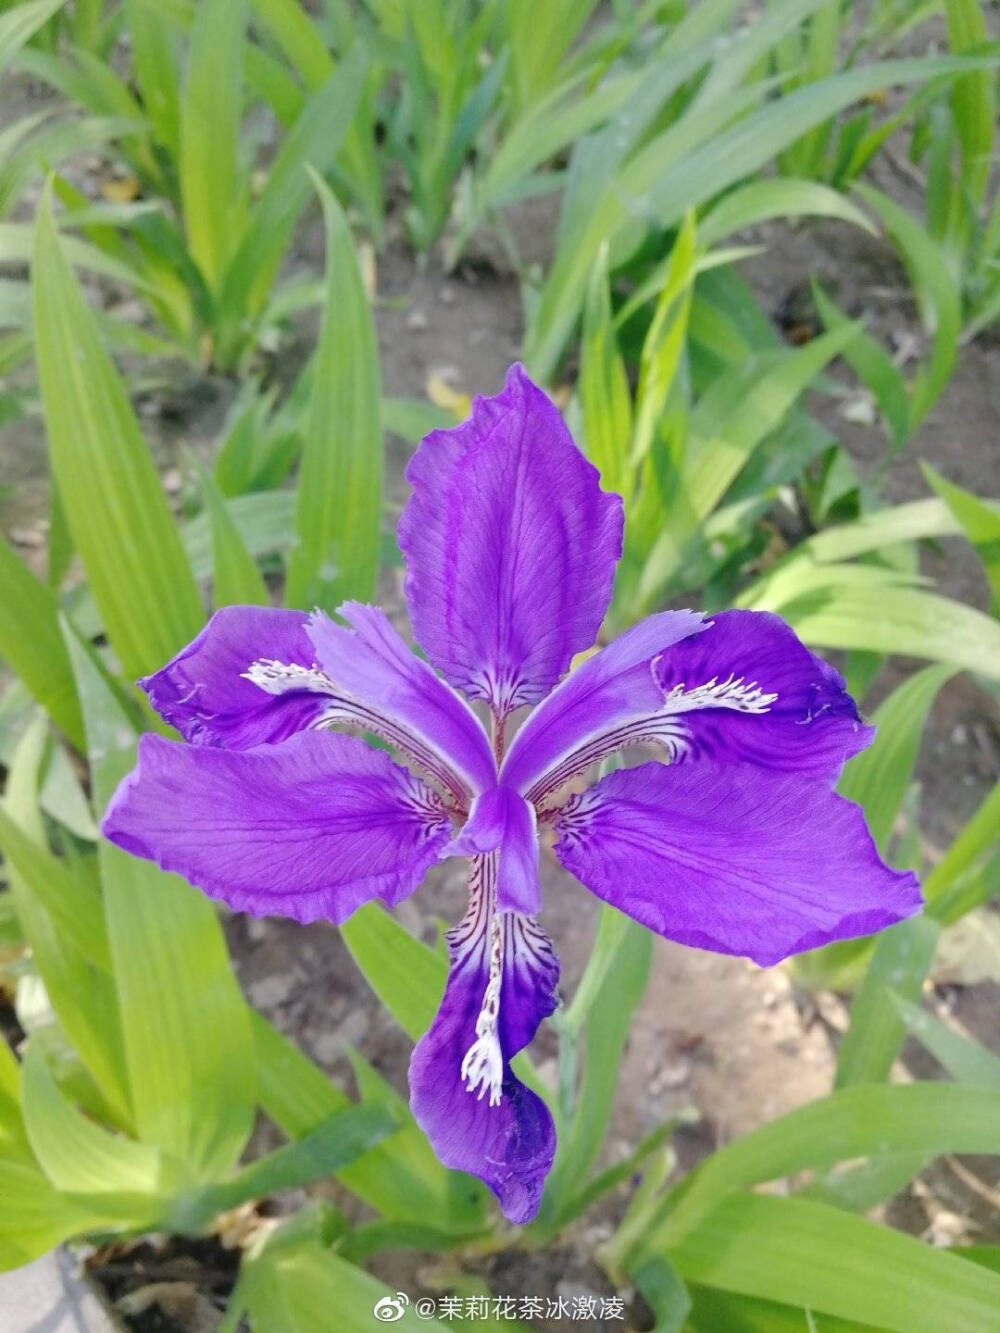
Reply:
x=205, y=694
x=739, y=688
x=311, y=828
x=510, y=547
x=608, y=701
x=733, y=858
x=477, y=1115
x=502, y=820
x=811, y=725
x=402, y=697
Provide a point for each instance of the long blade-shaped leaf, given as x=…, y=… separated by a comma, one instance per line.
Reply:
x=979, y=520
x=338, y=508
x=864, y=1121
x=19, y=24
x=857, y=606
x=211, y=106
x=313, y=140
x=965, y=1060
x=772, y=1247
x=902, y=957
x=235, y=576
x=75, y=1153
x=188, y=1042
x=115, y=506
x=31, y=643
x=879, y=777
x=80, y=991
x=644, y=188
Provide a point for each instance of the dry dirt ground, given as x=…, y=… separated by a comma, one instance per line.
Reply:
x=739, y=1044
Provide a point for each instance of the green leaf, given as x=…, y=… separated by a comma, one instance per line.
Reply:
x=313, y=141
x=878, y=778
x=665, y=340
x=35, y=1216
x=768, y=1248
x=938, y=298
x=81, y=993
x=861, y=607
x=777, y=198
x=76, y=1154
x=730, y=422
x=31, y=643
x=294, y=1284
x=404, y=973
x=74, y=907
x=212, y=189
x=154, y=41
x=719, y=452
x=20, y=23
x=965, y=1060
x=974, y=839
x=665, y=1293
x=605, y=1015
x=18, y=239
x=862, y=1187
x=874, y=367
x=343, y=1138
x=972, y=97
x=188, y=1042
x=539, y=39
x=400, y=1177
x=880, y=530
x=413, y=418
x=661, y=181
x=603, y=385
x=900, y=962
x=979, y=520
x=115, y=507
x=713, y=1310
x=868, y=1120
x=339, y=496
x=235, y=576
x=292, y=1091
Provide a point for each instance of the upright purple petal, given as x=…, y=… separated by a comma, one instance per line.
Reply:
x=204, y=691
x=733, y=858
x=477, y=1115
x=739, y=688
x=503, y=821
x=405, y=701
x=311, y=828
x=510, y=547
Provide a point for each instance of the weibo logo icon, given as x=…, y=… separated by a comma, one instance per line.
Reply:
x=390, y=1308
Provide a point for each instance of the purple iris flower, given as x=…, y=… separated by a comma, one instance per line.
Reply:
x=738, y=843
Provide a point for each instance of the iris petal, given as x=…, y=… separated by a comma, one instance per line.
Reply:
x=204, y=691
x=732, y=858
x=739, y=688
x=311, y=828
x=510, y=547
x=402, y=697
x=477, y=1115
x=503, y=821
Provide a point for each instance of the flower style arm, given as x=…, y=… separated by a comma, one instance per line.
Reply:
x=738, y=688
x=256, y=676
